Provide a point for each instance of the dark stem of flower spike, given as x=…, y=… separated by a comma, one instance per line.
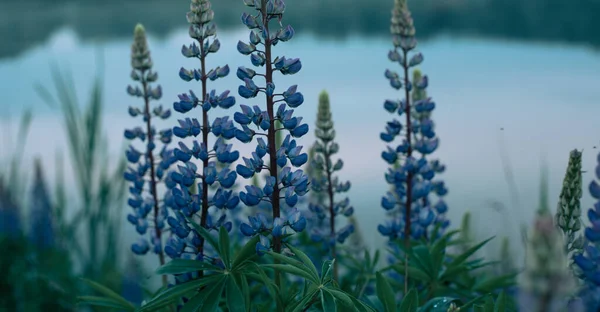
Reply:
x=205, y=129
x=161, y=255
x=271, y=136
x=331, y=214
x=409, y=176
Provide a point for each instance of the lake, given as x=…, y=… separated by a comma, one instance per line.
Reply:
x=535, y=102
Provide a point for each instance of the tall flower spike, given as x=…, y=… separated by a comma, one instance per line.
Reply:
x=413, y=213
x=568, y=212
x=325, y=183
x=588, y=262
x=147, y=165
x=42, y=225
x=198, y=189
x=546, y=280
x=10, y=218
x=283, y=186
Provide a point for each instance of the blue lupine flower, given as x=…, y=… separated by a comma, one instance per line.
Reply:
x=589, y=261
x=325, y=185
x=10, y=218
x=283, y=187
x=149, y=162
x=41, y=231
x=212, y=178
x=412, y=178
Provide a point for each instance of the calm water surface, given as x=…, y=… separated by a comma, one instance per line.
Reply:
x=544, y=97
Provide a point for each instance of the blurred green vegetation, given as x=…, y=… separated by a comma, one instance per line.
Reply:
x=572, y=22
x=87, y=241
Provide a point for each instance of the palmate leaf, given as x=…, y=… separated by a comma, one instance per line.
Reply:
x=206, y=236
x=306, y=299
x=247, y=253
x=327, y=301
x=180, y=266
x=224, y=247
x=304, y=258
x=104, y=302
x=235, y=297
x=385, y=293
x=175, y=293
x=410, y=302
x=299, y=267
x=327, y=271
x=464, y=256
x=110, y=295
x=439, y=304
x=340, y=296
x=493, y=283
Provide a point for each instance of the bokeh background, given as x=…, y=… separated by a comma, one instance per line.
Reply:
x=516, y=83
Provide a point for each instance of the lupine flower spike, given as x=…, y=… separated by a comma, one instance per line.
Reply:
x=327, y=184
x=10, y=218
x=412, y=179
x=148, y=162
x=42, y=224
x=546, y=280
x=282, y=185
x=589, y=261
x=215, y=157
x=568, y=212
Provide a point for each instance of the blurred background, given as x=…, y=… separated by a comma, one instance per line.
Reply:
x=516, y=83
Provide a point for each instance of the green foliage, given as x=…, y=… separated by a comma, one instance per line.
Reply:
x=34, y=280
x=100, y=192
x=440, y=274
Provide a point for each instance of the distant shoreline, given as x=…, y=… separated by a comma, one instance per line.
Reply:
x=27, y=24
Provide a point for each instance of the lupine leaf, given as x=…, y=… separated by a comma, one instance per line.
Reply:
x=327, y=270
x=224, y=248
x=293, y=270
x=501, y=302
x=312, y=276
x=489, y=304
x=176, y=292
x=464, y=256
x=328, y=301
x=246, y=253
x=304, y=258
x=439, y=304
x=490, y=284
x=211, y=302
x=299, y=306
x=107, y=292
x=413, y=272
x=385, y=293
x=340, y=296
x=194, y=304
x=235, y=297
x=205, y=234
x=179, y=266
x=105, y=302
x=410, y=302
x=424, y=260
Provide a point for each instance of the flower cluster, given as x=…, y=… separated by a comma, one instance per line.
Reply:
x=147, y=166
x=10, y=218
x=568, y=214
x=588, y=261
x=325, y=183
x=42, y=223
x=411, y=177
x=267, y=122
x=195, y=189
